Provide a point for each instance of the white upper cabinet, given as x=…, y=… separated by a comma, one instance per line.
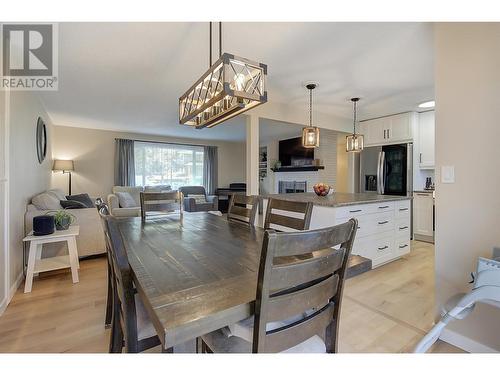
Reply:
x=426, y=130
x=389, y=129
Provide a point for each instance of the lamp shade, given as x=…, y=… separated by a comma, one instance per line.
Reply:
x=63, y=165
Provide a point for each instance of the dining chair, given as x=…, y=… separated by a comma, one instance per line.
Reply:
x=103, y=210
x=164, y=203
x=298, y=301
x=131, y=326
x=239, y=211
x=289, y=215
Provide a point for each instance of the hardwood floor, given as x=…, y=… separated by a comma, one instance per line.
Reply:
x=385, y=310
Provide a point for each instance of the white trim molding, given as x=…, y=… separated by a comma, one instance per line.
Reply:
x=464, y=343
x=12, y=292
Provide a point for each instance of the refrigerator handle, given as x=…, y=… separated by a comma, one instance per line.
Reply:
x=382, y=173
x=379, y=173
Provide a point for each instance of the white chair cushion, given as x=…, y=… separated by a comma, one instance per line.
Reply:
x=145, y=328
x=244, y=330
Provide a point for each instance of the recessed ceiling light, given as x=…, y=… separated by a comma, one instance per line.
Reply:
x=429, y=104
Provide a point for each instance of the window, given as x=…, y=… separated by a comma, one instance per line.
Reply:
x=168, y=164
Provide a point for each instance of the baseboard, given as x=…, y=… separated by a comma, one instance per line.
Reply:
x=12, y=292
x=464, y=343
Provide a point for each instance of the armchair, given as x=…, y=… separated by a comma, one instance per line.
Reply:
x=196, y=199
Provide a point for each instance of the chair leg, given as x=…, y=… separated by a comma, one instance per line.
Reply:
x=109, y=301
x=331, y=337
x=116, y=337
x=198, y=346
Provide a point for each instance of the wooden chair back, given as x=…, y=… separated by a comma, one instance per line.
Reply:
x=124, y=291
x=301, y=275
x=160, y=203
x=287, y=214
x=238, y=208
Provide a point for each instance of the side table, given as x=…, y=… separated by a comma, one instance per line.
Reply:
x=35, y=262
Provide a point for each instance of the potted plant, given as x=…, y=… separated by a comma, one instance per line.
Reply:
x=63, y=219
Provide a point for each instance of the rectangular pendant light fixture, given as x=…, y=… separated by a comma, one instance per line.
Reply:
x=355, y=143
x=232, y=85
x=310, y=137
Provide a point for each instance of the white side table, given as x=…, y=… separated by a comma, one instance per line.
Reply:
x=35, y=262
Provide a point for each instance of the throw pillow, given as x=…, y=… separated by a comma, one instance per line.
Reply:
x=199, y=198
x=69, y=204
x=46, y=201
x=125, y=199
x=83, y=198
x=58, y=193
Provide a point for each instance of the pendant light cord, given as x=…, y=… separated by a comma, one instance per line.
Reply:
x=220, y=39
x=210, y=45
x=310, y=107
x=210, y=42
x=355, y=102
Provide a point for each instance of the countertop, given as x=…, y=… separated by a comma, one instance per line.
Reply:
x=337, y=199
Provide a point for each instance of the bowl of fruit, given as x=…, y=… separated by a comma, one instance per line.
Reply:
x=322, y=189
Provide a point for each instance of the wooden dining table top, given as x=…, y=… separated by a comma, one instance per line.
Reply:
x=195, y=274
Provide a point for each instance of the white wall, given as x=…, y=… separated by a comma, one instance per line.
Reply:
x=26, y=177
x=467, y=88
x=93, y=153
x=326, y=152
x=4, y=290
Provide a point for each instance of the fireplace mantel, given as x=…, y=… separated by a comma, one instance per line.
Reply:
x=308, y=168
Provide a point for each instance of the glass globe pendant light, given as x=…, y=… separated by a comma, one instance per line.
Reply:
x=355, y=142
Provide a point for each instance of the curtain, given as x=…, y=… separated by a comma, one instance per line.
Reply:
x=210, y=169
x=124, y=162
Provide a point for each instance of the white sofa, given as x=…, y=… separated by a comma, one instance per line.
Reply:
x=90, y=241
x=135, y=192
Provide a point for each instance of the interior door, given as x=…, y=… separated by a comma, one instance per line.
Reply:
x=395, y=169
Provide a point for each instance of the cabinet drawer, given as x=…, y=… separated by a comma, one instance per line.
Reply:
x=402, y=208
x=372, y=223
x=402, y=228
x=380, y=249
x=402, y=245
x=362, y=209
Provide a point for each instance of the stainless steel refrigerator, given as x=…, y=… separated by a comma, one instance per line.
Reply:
x=387, y=170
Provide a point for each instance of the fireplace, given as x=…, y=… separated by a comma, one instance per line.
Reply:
x=287, y=187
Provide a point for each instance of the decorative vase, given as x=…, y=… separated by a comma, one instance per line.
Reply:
x=63, y=223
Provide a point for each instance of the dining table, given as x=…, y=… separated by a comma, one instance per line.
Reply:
x=197, y=272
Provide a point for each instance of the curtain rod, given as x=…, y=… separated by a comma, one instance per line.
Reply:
x=166, y=143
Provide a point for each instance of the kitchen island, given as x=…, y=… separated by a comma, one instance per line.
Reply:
x=383, y=220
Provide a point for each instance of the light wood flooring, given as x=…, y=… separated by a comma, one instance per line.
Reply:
x=384, y=310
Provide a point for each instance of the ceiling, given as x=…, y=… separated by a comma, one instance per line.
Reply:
x=129, y=76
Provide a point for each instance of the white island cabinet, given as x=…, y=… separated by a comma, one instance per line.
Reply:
x=383, y=221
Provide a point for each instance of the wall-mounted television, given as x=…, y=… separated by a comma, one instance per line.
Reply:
x=292, y=153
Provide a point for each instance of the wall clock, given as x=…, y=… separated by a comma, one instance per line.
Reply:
x=41, y=140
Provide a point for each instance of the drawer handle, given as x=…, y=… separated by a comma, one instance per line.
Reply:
x=383, y=248
x=401, y=228
x=382, y=207
x=352, y=211
x=359, y=227
x=402, y=247
x=383, y=222
x=403, y=209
